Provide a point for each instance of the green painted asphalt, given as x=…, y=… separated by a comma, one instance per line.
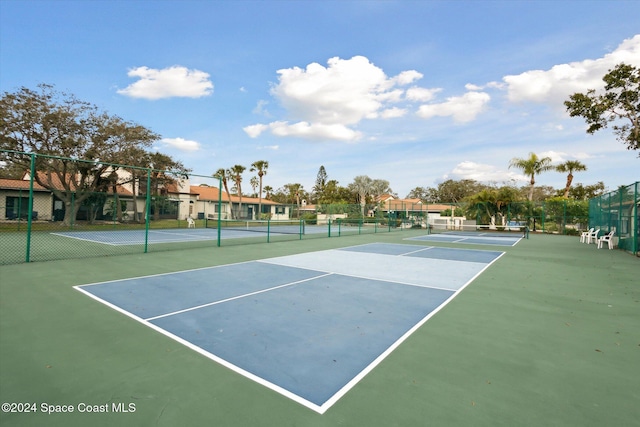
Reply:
x=549, y=335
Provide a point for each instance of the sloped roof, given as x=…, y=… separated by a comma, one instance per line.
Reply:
x=213, y=194
x=20, y=184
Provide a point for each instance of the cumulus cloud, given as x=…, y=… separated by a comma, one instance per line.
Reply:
x=327, y=102
x=462, y=108
x=556, y=84
x=421, y=94
x=169, y=82
x=181, y=144
x=314, y=131
x=482, y=173
x=393, y=113
x=560, y=156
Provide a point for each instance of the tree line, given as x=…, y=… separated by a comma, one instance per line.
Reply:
x=80, y=149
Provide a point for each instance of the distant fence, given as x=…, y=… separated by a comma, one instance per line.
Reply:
x=619, y=211
x=65, y=208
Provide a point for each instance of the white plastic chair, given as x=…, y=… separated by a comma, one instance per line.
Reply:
x=191, y=223
x=593, y=237
x=585, y=234
x=607, y=238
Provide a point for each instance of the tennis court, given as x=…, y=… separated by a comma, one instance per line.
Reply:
x=546, y=335
x=308, y=326
x=228, y=230
x=473, y=236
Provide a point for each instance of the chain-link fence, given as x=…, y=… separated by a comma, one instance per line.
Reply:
x=618, y=211
x=69, y=208
x=62, y=208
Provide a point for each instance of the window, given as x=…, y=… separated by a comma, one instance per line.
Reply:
x=17, y=207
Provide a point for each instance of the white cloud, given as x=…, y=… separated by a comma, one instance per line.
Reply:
x=393, y=113
x=344, y=93
x=406, y=77
x=316, y=131
x=169, y=82
x=462, y=108
x=556, y=84
x=471, y=86
x=327, y=102
x=561, y=157
x=181, y=144
x=482, y=173
x=254, y=131
x=555, y=156
x=421, y=94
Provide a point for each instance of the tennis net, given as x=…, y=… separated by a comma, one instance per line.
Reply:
x=480, y=230
x=259, y=226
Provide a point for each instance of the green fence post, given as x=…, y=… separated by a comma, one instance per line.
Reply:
x=268, y=229
x=30, y=208
x=147, y=212
x=219, y=209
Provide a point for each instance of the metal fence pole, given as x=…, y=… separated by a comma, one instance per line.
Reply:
x=30, y=208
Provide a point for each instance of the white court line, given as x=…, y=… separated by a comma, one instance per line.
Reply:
x=237, y=297
x=321, y=409
x=86, y=240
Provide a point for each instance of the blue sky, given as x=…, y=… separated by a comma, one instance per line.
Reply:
x=414, y=92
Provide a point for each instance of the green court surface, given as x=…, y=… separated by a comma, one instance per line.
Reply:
x=548, y=335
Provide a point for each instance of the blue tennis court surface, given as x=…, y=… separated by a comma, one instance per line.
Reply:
x=308, y=326
x=472, y=238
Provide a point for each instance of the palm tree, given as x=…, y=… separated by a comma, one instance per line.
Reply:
x=261, y=167
x=362, y=185
x=236, y=175
x=224, y=176
x=268, y=190
x=570, y=166
x=295, y=191
x=532, y=166
x=486, y=200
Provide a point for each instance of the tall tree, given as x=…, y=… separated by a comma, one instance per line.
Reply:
x=569, y=167
x=619, y=102
x=63, y=130
x=236, y=175
x=581, y=192
x=532, y=166
x=261, y=167
x=362, y=186
x=267, y=190
x=380, y=187
x=293, y=193
x=321, y=182
x=452, y=191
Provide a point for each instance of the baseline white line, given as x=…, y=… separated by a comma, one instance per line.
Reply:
x=236, y=297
